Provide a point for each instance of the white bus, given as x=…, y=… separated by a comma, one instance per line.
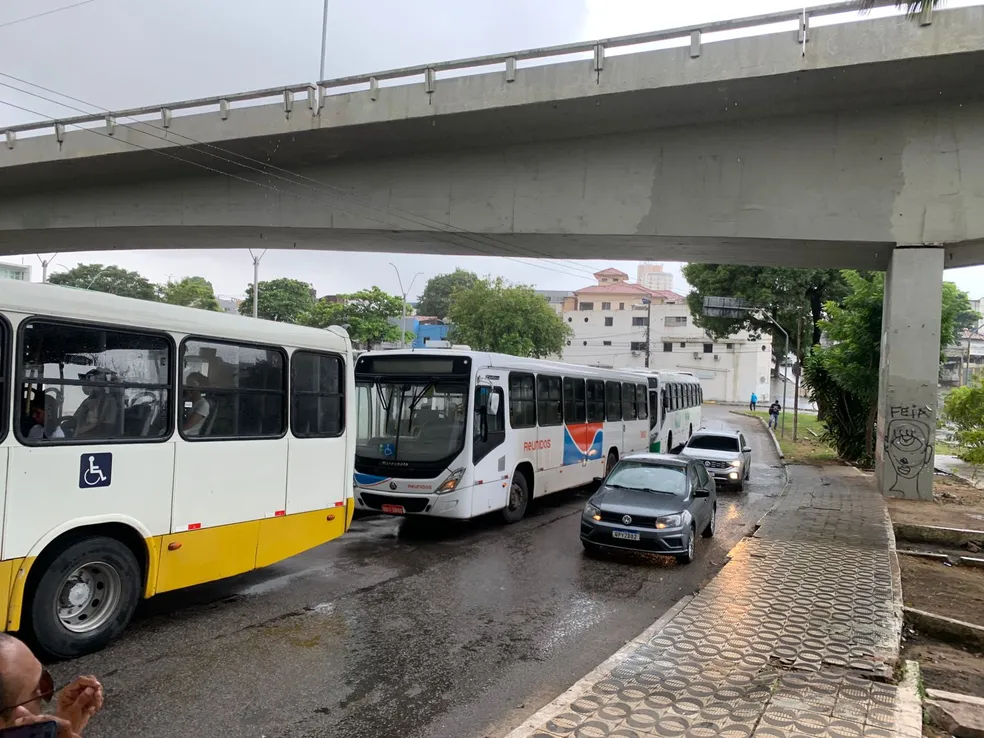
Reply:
x=457, y=434
x=675, y=400
x=147, y=447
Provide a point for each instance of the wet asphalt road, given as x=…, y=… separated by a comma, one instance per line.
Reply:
x=402, y=630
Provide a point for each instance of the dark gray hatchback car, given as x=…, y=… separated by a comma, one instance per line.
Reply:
x=654, y=503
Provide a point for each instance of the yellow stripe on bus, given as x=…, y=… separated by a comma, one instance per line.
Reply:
x=205, y=555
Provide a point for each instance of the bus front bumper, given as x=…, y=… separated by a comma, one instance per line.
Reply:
x=401, y=503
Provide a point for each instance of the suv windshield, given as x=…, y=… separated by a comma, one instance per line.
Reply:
x=649, y=477
x=411, y=421
x=714, y=443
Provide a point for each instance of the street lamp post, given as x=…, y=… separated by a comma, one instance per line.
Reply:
x=44, y=267
x=403, y=304
x=256, y=281
x=649, y=319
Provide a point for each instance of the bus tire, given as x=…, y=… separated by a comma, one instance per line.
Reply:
x=519, y=499
x=611, y=462
x=85, y=597
x=669, y=443
x=691, y=432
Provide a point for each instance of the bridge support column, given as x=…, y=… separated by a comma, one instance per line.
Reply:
x=909, y=373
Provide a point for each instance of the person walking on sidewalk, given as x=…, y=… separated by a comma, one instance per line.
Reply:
x=774, y=409
x=753, y=402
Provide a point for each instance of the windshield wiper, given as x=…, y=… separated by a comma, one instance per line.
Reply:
x=640, y=489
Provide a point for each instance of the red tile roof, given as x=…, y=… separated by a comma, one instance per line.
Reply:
x=611, y=272
x=628, y=287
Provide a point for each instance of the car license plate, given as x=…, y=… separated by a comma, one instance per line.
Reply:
x=394, y=509
x=625, y=535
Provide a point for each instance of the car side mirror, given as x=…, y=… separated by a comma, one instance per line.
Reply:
x=701, y=492
x=747, y=450
x=494, y=403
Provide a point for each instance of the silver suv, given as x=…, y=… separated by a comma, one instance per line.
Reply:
x=725, y=454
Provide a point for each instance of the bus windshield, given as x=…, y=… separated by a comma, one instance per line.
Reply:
x=418, y=420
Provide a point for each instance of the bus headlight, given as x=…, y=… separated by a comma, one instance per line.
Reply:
x=451, y=483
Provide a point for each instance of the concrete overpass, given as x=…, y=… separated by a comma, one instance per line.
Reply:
x=859, y=144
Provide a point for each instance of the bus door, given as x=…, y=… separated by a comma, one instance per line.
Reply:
x=655, y=414
x=491, y=471
x=550, y=434
x=582, y=442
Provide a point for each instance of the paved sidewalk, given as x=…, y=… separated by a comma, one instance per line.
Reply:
x=797, y=635
x=960, y=469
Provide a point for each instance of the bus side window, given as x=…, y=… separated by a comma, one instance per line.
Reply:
x=629, y=401
x=642, y=401
x=522, y=401
x=613, y=401
x=316, y=395
x=95, y=383
x=595, y=401
x=549, y=401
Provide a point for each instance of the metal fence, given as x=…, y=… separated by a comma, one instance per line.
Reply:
x=312, y=96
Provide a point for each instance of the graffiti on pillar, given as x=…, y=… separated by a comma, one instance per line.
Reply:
x=909, y=445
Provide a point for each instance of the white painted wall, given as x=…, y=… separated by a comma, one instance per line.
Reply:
x=734, y=369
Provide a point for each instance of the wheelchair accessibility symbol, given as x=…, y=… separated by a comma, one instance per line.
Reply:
x=95, y=470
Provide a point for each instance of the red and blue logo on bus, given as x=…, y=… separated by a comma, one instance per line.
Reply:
x=582, y=441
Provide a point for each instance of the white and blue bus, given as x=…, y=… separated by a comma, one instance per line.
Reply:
x=675, y=400
x=457, y=434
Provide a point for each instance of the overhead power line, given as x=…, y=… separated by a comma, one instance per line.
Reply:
x=47, y=12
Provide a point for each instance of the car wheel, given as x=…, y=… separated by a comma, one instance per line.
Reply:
x=85, y=597
x=741, y=485
x=711, y=524
x=688, y=557
x=519, y=497
x=612, y=461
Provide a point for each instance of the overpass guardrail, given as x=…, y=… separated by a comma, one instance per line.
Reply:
x=313, y=96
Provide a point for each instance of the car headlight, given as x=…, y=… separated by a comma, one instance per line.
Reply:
x=451, y=483
x=669, y=521
x=592, y=512
x=736, y=463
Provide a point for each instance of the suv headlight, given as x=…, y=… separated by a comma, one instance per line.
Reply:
x=669, y=521
x=451, y=483
x=592, y=512
x=736, y=463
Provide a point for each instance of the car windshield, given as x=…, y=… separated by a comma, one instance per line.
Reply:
x=630, y=474
x=714, y=443
x=408, y=421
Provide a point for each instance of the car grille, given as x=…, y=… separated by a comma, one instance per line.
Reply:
x=717, y=464
x=638, y=521
x=410, y=504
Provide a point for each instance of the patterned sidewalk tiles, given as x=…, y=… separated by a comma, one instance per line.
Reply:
x=798, y=635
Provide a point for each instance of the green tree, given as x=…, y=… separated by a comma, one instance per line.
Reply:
x=366, y=315
x=111, y=279
x=494, y=316
x=436, y=298
x=193, y=292
x=964, y=407
x=791, y=296
x=912, y=7
x=283, y=300
x=843, y=377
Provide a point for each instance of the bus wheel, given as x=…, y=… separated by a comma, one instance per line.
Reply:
x=691, y=432
x=612, y=461
x=669, y=443
x=519, y=497
x=85, y=597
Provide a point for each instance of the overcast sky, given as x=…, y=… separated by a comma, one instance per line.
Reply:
x=127, y=53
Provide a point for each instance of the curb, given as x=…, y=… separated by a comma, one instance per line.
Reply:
x=957, y=537
x=909, y=708
x=775, y=442
x=944, y=628
x=562, y=703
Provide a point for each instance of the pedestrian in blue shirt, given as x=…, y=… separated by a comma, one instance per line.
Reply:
x=753, y=402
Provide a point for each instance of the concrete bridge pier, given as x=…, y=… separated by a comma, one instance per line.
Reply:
x=909, y=372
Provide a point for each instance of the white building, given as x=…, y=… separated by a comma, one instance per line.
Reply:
x=20, y=272
x=609, y=321
x=652, y=277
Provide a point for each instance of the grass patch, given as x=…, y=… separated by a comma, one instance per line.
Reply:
x=807, y=448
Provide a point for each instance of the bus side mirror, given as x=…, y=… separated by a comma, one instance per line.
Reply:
x=494, y=403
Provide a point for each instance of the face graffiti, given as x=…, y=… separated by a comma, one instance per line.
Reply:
x=909, y=446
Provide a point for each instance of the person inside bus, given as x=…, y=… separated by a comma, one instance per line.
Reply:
x=40, y=430
x=96, y=416
x=198, y=407
x=25, y=686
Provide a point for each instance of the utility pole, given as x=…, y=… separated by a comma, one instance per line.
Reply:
x=798, y=366
x=324, y=41
x=44, y=267
x=649, y=315
x=403, y=304
x=967, y=372
x=256, y=281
